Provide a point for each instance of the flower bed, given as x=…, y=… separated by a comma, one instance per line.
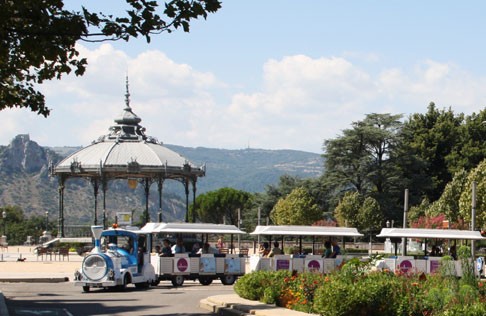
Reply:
x=356, y=290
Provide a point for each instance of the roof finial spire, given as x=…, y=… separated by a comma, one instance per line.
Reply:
x=127, y=95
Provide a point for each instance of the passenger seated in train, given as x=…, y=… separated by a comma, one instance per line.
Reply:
x=264, y=249
x=206, y=248
x=328, y=250
x=452, y=252
x=166, y=251
x=336, y=250
x=436, y=251
x=195, y=248
x=179, y=246
x=275, y=250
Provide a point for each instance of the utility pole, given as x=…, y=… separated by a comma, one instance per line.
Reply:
x=239, y=226
x=405, y=210
x=473, y=216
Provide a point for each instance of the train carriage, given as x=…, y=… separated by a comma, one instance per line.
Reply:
x=202, y=267
x=301, y=262
x=426, y=263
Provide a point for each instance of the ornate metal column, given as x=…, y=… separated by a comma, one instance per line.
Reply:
x=104, y=187
x=194, y=199
x=146, y=215
x=186, y=187
x=60, y=227
x=160, y=185
x=94, y=182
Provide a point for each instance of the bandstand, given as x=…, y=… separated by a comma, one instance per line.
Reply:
x=126, y=153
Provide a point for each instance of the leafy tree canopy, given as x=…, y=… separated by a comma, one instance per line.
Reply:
x=18, y=227
x=221, y=206
x=477, y=175
x=363, y=213
x=297, y=208
x=432, y=137
x=359, y=158
x=37, y=39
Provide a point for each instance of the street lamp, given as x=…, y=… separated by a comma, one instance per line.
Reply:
x=4, y=216
x=47, y=221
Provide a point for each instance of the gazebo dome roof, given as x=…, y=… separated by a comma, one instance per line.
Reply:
x=126, y=152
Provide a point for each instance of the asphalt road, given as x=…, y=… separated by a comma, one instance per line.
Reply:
x=63, y=299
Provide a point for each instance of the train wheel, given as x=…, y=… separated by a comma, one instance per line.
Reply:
x=126, y=280
x=177, y=280
x=228, y=279
x=86, y=289
x=204, y=280
x=155, y=282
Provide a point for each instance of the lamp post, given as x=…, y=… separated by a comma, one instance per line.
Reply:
x=4, y=216
x=47, y=221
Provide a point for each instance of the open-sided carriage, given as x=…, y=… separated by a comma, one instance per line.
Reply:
x=425, y=263
x=202, y=267
x=299, y=261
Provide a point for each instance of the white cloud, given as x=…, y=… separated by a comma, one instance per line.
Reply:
x=301, y=102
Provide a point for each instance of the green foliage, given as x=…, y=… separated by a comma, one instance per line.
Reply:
x=477, y=175
x=379, y=157
x=356, y=290
x=222, y=206
x=467, y=264
x=360, y=157
x=297, y=208
x=18, y=227
x=252, y=286
x=355, y=210
x=448, y=203
x=38, y=39
x=432, y=137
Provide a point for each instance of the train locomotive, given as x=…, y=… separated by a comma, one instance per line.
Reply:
x=120, y=257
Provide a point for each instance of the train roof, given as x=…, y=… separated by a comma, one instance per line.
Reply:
x=307, y=231
x=121, y=232
x=195, y=228
x=430, y=233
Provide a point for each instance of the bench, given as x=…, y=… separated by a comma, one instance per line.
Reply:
x=244, y=251
x=62, y=252
x=41, y=252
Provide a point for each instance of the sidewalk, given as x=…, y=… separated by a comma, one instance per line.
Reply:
x=21, y=264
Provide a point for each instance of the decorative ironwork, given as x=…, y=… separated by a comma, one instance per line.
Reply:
x=133, y=166
x=76, y=166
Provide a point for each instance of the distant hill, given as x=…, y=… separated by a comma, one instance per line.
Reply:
x=25, y=180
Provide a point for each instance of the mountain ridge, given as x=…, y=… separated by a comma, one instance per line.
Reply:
x=25, y=179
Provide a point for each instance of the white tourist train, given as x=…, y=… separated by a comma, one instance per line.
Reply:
x=125, y=256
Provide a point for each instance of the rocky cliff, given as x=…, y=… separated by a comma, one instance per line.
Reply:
x=25, y=179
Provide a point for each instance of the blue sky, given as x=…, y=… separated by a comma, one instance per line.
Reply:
x=272, y=74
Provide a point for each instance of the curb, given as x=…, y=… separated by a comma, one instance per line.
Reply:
x=34, y=280
x=233, y=305
x=219, y=309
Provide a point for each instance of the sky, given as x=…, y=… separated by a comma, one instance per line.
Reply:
x=271, y=74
